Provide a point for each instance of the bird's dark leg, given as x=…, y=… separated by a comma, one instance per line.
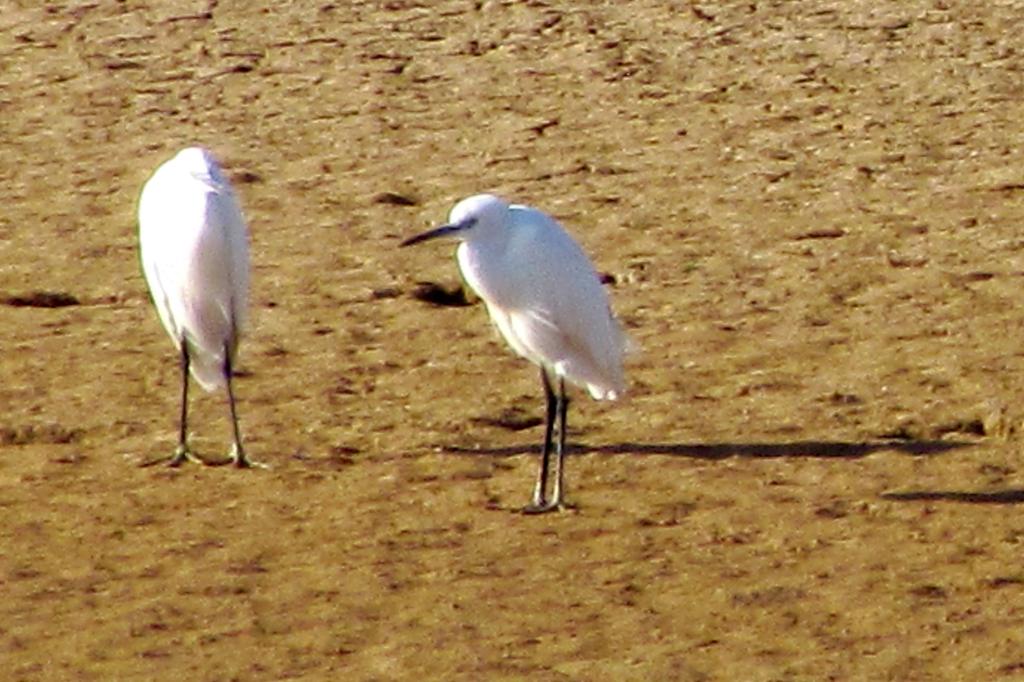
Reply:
x=539, y=503
x=558, y=494
x=539, y=492
x=237, y=453
x=182, y=453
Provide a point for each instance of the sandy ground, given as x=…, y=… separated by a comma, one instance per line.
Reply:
x=811, y=212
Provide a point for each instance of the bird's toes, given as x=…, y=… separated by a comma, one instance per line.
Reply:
x=539, y=508
x=241, y=460
x=246, y=463
x=182, y=455
x=542, y=507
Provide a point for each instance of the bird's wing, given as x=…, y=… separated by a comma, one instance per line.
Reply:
x=214, y=282
x=562, y=308
x=532, y=334
x=225, y=214
x=535, y=335
x=158, y=252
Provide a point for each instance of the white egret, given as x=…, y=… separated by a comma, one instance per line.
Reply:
x=547, y=301
x=195, y=256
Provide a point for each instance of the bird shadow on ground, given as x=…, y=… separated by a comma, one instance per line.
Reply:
x=1005, y=496
x=717, y=451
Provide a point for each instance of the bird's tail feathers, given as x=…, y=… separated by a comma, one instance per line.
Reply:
x=208, y=372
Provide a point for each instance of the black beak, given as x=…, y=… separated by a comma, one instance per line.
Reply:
x=443, y=231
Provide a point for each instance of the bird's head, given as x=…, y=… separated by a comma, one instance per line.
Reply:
x=200, y=164
x=471, y=218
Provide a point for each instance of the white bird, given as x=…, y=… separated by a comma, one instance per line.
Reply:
x=547, y=301
x=195, y=256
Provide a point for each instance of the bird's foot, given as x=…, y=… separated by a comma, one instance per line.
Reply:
x=542, y=507
x=181, y=455
x=242, y=461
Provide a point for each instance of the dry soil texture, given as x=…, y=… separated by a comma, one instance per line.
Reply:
x=812, y=215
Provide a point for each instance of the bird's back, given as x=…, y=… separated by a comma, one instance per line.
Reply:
x=195, y=258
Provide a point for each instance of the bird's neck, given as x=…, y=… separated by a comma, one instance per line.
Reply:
x=483, y=265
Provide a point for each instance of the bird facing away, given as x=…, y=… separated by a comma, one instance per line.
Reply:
x=547, y=301
x=195, y=256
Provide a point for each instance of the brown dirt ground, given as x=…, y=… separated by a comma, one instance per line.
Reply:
x=812, y=211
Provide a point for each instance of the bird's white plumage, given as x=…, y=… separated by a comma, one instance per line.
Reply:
x=541, y=292
x=195, y=256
